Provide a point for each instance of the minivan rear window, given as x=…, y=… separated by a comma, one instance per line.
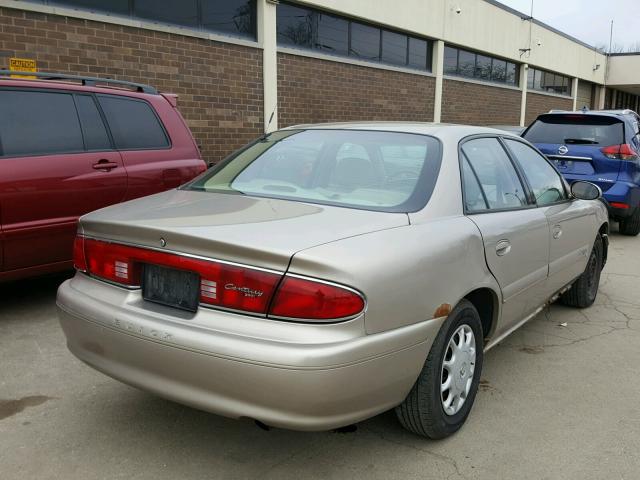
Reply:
x=576, y=130
x=372, y=170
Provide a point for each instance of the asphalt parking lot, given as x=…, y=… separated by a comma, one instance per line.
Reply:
x=556, y=402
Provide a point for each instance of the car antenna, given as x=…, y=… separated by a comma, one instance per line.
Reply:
x=266, y=129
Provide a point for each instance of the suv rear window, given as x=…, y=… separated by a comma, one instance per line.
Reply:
x=133, y=123
x=576, y=130
x=372, y=170
x=38, y=123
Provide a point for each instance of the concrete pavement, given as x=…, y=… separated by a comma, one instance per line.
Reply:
x=556, y=402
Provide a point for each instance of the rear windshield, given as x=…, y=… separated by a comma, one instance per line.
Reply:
x=576, y=130
x=371, y=170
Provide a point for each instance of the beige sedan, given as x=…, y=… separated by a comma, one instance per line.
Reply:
x=327, y=273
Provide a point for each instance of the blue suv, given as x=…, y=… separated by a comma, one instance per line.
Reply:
x=600, y=146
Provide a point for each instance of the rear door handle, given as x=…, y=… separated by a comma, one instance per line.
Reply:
x=557, y=231
x=105, y=165
x=503, y=247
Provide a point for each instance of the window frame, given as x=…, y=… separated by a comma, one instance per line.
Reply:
x=490, y=80
x=133, y=99
x=198, y=27
x=73, y=95
x=542, y=75
x=312, y=10
x=523, y=181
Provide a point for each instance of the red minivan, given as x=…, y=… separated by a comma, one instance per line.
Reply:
x=70, y=145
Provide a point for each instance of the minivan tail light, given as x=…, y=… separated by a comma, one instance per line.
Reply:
x=619, y=152
x=309, y=300
x=223, y=285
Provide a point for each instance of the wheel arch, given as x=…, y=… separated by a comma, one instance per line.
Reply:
x=603, y=231
x=486, y=302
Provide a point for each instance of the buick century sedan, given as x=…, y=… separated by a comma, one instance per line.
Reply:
x=327, y=273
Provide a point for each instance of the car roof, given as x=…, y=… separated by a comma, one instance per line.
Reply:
x=422, y=128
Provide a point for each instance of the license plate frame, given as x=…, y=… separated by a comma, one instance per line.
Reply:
x=171, y=287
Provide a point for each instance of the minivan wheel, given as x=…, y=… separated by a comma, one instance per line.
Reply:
x=631, y=225
x=584, y=290
x=442, y=397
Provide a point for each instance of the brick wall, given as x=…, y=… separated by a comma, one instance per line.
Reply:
x=312, y=90
x=537, y=104
x=219, y=85
x=474, y=104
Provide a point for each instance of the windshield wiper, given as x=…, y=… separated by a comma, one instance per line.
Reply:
x=580, y=141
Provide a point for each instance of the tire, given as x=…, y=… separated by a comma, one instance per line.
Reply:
x=423, y=411
x=631, y=225
x=584, y=290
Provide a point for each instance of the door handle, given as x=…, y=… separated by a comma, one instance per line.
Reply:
x=557, y=231
x=503, y=247
x=105, y=165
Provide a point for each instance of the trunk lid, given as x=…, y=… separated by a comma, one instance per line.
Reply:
x=261, y=232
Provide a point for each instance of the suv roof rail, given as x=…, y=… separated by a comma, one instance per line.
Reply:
x=89, y=81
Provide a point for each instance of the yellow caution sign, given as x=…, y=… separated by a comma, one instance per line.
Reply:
x=22, y=65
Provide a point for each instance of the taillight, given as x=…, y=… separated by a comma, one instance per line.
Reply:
x=112, y=262
x=224, y=285
x=306, y=299
x=79, y=260
x=221, y=284
x=620, y=152
x=624, y=206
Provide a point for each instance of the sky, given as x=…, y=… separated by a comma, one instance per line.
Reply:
x=588, y=20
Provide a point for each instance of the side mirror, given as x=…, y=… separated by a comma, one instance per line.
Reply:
x=585, y=190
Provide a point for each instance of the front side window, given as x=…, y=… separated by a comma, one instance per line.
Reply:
x=543, y=179
x=133, y=123
x=383, y=171
x=38, y=123
x=495, y=173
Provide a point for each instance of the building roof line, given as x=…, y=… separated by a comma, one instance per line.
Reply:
x=524, y=16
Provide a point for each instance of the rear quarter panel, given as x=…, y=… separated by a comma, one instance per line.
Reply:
x=406, y=273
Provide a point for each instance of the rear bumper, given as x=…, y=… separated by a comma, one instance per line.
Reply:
x=303, y=377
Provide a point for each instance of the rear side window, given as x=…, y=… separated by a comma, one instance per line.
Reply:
x=95, y=133
x=38, y=123
x=495, y=173
x=133, y=123
x=576, y=130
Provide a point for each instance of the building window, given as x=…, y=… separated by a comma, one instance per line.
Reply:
x=464, y=63
x=309, y=28
x=544, y=81
x=229, y=17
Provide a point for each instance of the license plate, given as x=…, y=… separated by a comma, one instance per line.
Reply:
x=174, y=288
x=564, y=164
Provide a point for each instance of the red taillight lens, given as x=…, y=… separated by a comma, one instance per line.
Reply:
x=79, y=260
x=619, y=205
x=312, y=300
x=620, y=152
x=221, y=284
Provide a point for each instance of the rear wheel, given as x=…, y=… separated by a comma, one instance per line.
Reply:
x=442, y=397
x=631, y=225
x=584, y=290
